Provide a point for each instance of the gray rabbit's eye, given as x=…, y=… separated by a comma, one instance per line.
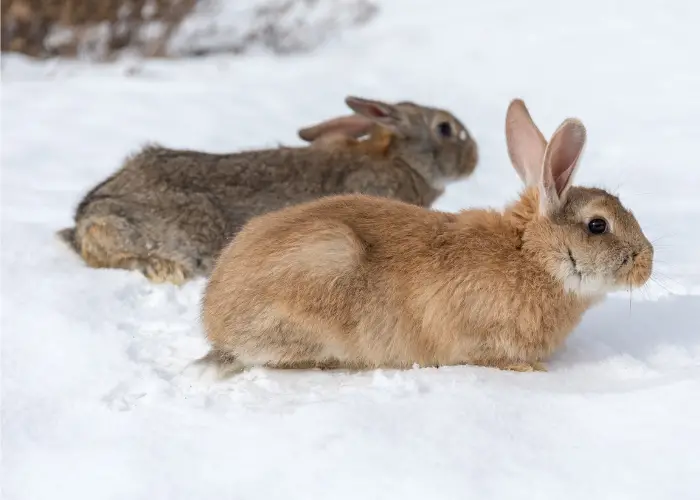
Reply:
x=445, y=129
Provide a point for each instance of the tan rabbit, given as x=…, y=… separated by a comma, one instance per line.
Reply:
x=168, y=213
x=360, y=281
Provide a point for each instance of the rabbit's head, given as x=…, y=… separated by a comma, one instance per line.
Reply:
x=432, y=141
x=583, y=236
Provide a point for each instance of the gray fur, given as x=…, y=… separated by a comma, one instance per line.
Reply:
x=178, y=208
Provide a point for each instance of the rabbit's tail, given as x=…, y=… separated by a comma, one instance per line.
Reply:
x=67, y=235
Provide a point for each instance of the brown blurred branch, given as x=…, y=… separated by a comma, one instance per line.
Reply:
x=28, y=24
x=100, y=29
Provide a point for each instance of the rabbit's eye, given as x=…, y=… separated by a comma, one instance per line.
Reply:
x=597, y=226
x=445, y=129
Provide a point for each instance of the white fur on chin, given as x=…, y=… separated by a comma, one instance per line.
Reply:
x=583, y=284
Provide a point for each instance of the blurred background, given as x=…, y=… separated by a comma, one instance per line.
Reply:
x=103, y=29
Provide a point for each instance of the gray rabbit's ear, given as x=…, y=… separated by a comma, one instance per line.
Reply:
x=352, y=126
x=380, y=112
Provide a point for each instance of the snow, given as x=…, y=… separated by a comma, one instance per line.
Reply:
x=96, y=398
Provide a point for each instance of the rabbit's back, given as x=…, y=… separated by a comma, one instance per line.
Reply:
x=169, y=209
x=250, y=183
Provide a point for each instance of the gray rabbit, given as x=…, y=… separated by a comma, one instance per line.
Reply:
x=168, y=213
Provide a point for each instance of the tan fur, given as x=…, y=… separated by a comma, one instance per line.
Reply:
x=376, y=145
x=97, y=237
x=389, y=284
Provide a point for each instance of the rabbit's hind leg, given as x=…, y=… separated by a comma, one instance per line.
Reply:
x=111, y=241
x=515, y=366
x=160, y=270
x=223, y=364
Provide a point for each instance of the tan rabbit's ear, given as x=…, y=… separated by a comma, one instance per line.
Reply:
x=380, y=112
x=561, y=161
x=526, y=144
x=351, y=126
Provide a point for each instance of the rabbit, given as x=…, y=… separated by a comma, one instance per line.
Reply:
x=363, y=282
x=168, y=213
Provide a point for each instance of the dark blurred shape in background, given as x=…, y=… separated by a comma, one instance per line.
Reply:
x=102, y=29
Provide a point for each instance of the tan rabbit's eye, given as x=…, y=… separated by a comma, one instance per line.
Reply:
x=597, y=226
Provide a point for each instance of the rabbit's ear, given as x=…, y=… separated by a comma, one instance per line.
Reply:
x=351, y=126
x=377, y=111
x=561, y=161
x=526, y=144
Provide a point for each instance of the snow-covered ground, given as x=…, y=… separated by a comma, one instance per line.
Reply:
x=94, y=401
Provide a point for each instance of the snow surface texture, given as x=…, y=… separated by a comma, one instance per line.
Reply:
x=95, y=404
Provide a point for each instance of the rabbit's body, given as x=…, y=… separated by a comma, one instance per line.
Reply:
x=364, y=282
x=342, y=273
x=182, y=206
x=169, y=212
